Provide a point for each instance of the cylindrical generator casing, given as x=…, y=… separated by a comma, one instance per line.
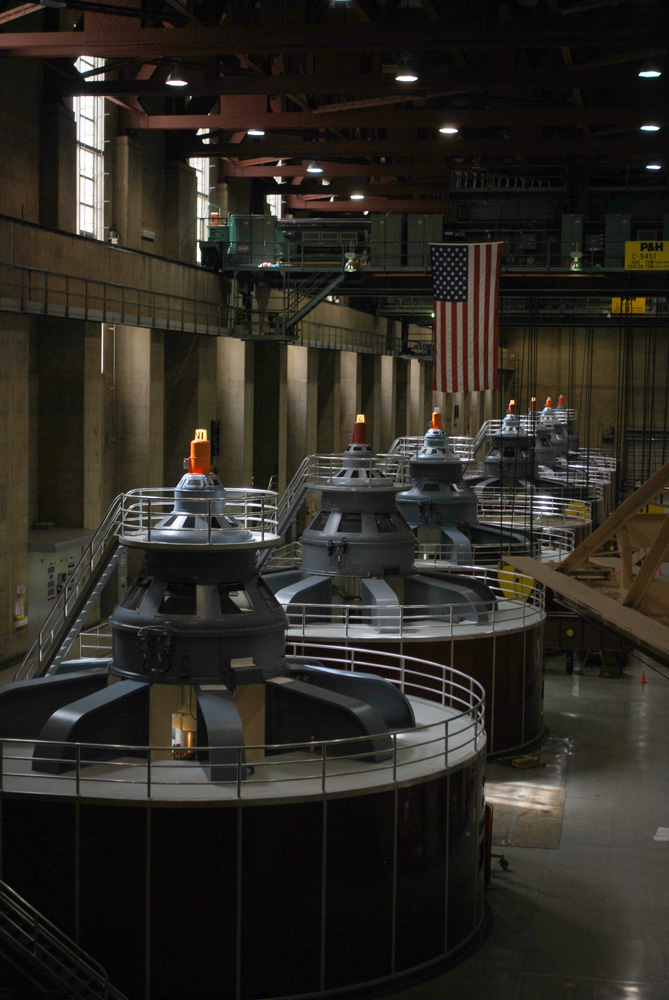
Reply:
x=508, y=664
x=258, y=898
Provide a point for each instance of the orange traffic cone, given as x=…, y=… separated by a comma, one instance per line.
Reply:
x=643, y=677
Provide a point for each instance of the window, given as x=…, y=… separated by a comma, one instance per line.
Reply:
x=89, y=116
x=201, y=166
x=274, y=202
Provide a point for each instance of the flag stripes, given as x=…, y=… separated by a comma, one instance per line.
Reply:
x=466, y=287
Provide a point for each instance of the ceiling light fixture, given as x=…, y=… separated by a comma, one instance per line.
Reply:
x=650, y=128
x=255, y=131
x=176, y=78
x=448, y=130
x=653, y=166
x=650, y=71
x=406, y=73
x=314, y=168
x=357, y=196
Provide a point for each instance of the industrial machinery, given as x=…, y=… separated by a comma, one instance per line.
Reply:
x=355, y=579
x=190, y=752
x=441, y=502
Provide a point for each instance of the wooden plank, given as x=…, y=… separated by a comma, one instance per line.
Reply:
x=656, y=484
x=646, y=633
x=649, y=567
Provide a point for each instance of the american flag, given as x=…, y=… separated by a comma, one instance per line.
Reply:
x=465, y=280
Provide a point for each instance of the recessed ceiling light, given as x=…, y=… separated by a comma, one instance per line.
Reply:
x=448, y=130
x=650, y=70
x=650, y=128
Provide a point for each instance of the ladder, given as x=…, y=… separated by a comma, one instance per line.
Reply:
x=54, y=956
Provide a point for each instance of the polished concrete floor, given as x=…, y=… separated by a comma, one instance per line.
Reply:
x=588, y=918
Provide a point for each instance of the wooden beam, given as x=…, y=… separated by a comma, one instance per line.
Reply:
x=646, y=633
x=656, y=484
x=649, y=568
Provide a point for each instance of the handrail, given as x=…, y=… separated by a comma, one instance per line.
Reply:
x=39, y=930
x=502, y=506
x=51, y=632
x=133, y=516
x=316, y=764
x=516, y=599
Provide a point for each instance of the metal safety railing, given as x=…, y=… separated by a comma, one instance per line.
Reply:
x=515, y=600
x=320, y=766
x=136, y=517
x=32, y=934
x=532, y=510
x=47, y=293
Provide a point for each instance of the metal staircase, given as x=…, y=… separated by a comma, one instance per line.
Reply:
x=46, y=953
x=314, y=289
x=76, y=599
x=290, y=503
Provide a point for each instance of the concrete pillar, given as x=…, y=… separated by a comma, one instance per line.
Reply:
x=417, y=415
x=370, y=397
x=401, y=397
x=96, y=496
x=180, y=213
x=302, y=406
x=14, y=482
x=329, y=401
x=350, y=382
x=190, y=395
x=135, y=382
x=388, y=401
x=60, y=359
x=234, y=408
x=128, y=192
x=270, y=413
x=58, y=167
x=233, y=199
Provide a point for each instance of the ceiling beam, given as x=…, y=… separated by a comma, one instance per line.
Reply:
x=439, y=150
x=453, y=81
x=523, y=116
x=296, y=201
x=601, y=30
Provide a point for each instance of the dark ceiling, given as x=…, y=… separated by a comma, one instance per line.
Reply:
x=542, y=92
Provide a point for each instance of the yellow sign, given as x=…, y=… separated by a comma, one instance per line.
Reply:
x=628, y=306
x=647, y=255
x=514, y=585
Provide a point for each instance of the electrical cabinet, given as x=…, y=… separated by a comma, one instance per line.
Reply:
x=617, y=229
x=386, y=242
x=252, y=239
x=52, y=555
x=421, y=231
